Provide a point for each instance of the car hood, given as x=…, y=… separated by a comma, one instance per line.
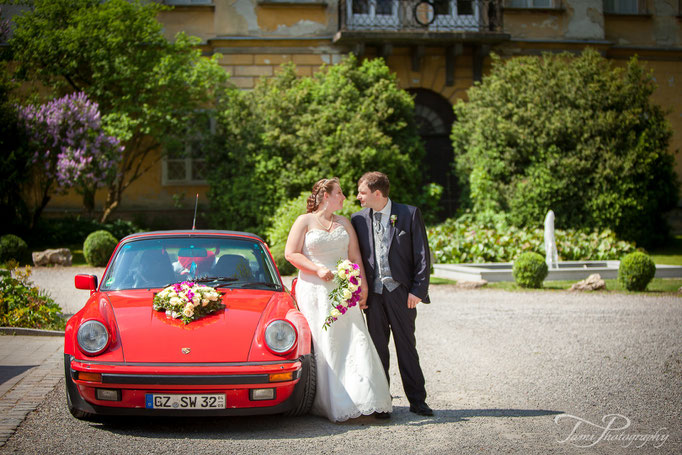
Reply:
x=147, y=335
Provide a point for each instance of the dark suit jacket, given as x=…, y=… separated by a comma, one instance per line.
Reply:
x=408, y=248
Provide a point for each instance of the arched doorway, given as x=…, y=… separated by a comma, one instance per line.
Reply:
x=434, y=117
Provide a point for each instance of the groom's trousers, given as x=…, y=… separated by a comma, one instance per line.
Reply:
x=386, y=313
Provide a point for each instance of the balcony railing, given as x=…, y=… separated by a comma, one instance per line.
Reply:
x=417, y=15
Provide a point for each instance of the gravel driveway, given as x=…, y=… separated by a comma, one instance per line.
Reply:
x=507, y=372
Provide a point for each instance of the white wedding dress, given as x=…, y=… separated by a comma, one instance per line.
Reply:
x=350, y=377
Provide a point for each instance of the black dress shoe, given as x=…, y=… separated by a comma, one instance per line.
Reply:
x=382, y=415
x=422, y=409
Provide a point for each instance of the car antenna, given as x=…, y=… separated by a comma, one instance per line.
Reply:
x=196, y=203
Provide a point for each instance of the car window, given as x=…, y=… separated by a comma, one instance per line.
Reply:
x=216, y=261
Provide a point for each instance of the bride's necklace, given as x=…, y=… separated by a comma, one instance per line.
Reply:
x=325, y=227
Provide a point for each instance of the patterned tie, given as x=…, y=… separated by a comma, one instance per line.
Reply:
x=378, y=227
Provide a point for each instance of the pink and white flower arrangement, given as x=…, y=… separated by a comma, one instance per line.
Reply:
x=188, y=301
x=347, y=292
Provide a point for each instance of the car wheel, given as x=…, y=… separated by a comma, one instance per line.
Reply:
x=309, y=389
x=70, y=387
x=77, y=413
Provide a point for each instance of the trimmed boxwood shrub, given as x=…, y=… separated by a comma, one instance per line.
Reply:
x=636, y=271
x=13, y=247
x=98, y=247
x=530, y=270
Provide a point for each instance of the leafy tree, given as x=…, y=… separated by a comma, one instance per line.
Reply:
x=14, y=151
x=572, y=134
x=289, y=132
x=114, y=51
x=71, y=149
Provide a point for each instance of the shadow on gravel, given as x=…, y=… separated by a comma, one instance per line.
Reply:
x=464, y=415
x=283, y=427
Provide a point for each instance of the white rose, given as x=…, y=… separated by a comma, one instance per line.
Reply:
x=175, y=314
x=175, y=301
x=189, y=311
x=342, y=274
x=335, y=313
x=352, y=287
x=355, y=272
x=213, y=296
x=347, y=294
x=196, y=299
x=204, y=302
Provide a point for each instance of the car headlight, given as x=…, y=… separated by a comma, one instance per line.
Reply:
x=93, y=337
x=280, y=336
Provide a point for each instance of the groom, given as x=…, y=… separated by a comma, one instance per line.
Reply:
x=395, y=254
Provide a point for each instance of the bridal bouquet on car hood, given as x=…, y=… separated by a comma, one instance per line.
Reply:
x=188, y=301
x=347, y=292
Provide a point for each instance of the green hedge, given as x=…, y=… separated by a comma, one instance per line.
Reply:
x=465, y=240
x=70, y=230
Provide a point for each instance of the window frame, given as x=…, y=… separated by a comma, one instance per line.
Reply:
x=553, y=5
x=188, y=160
x=642, y=9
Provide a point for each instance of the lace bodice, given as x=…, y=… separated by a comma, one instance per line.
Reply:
x=326, y=248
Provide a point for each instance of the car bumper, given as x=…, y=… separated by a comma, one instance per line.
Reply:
x=131, y=384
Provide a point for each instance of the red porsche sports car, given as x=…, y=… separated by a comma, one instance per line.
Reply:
x=250, y=355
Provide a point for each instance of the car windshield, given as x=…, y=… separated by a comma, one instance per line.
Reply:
x=217, y=261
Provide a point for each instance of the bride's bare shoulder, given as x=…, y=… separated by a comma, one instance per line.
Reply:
x=304, y=220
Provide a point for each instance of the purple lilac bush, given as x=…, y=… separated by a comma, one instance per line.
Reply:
x=70, y=142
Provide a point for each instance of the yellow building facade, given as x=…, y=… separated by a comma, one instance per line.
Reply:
x=437, y=50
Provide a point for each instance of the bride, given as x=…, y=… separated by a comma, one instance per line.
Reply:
x=350, y=377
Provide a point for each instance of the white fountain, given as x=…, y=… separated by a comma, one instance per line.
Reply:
x=551, y=255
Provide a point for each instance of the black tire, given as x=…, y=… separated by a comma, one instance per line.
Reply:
x=77, y=413
x=303, y=407
x=70, y=387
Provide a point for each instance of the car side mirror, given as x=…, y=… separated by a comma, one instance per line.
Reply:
x=87, y=282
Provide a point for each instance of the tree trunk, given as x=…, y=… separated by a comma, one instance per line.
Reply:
x=39, y=210
x=112, y=201
x=88, y=201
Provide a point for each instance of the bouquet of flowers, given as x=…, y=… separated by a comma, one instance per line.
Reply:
x=347, y=292
x=188, y=301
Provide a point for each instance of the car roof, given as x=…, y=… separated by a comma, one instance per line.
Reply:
x=189, y=233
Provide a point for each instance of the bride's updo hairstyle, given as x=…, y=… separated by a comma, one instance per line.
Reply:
x=317, y=195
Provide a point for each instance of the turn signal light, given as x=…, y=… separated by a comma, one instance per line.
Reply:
x=280, y=377
x=91, y=377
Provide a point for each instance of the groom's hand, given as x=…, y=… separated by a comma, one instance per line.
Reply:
x=412, y=301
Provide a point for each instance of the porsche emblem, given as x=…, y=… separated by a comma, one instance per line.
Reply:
x=186, y=350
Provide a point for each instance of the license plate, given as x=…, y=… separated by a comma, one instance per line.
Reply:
x=189, y=401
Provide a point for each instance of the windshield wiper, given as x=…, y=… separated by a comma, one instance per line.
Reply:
x=215, y=279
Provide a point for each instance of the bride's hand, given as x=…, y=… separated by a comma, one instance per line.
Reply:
x=324, y=273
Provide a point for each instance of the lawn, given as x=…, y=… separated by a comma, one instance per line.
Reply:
x=671, y=254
